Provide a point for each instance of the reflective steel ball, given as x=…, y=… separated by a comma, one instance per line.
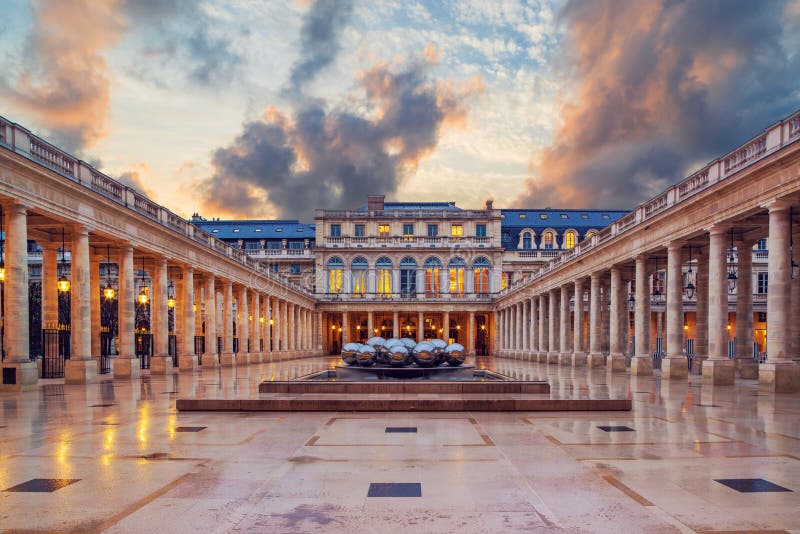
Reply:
x=365, y=356
x=438, y=346
x=398, y=355
x=349, y=352
x=424, y=354
x=454, y=354
x=409, y=343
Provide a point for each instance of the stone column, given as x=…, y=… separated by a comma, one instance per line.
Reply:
x=578, y=358
x=291, y=313
x=19, y=373
x=544, y=338
x=717, y=369
x=779, y=374
x=701, y=314
x=395, y=325
x=596, y=357
x=553, y=324
x=227, y=358
x=210, y=355
x=127, y=364
x=446, y=326
x=471, y=334
x=533, y=335
x=160, y=362
x=370, y=323
x=80, y=368
x=605, y=321
x=256, y=354
x=285, y=329
x=642, y=361
x=524, y=326
x=187, y=359
x=673, y=365
x=618, y=319
x=565, y=356
x=244, y=327
x=746, y=366
x=95, y=306
x=420, y=327
x=345, y=328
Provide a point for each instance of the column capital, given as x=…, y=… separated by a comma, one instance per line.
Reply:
x=777, y=204
x=676, y=244
x=79, y=228
x=17, y=208
x=719, y=228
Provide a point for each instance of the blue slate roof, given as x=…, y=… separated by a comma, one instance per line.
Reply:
x=559, y=220
x=390, y=206
x=266, y=229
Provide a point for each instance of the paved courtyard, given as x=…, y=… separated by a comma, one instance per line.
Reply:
x=116, y=456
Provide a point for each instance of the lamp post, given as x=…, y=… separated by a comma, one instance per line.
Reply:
x=732, y=275
x=690, y=287
x=63, y=283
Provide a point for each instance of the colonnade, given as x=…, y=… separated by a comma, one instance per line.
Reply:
x=549, y=323
x=271, y=326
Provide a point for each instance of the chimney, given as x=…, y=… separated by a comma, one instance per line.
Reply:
x=489, y=203
x=375, y=202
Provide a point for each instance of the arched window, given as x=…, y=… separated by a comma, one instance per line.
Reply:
x=527, y=240
x=480, y=270
x=383, y=271
x=547, y=240
x=456, y=268
x=432, y=279
x=335, y=269
x=358, y=269
x=569, y=239
x=591, y=233
x=408, y=277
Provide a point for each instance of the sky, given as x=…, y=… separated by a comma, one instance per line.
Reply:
x=271, y=109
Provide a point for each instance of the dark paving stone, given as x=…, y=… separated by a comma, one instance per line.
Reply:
x=42, y=485
x=616, y=429
x=170, y=393
x=709, y=405
x=189, y=428
x=154, y=456
x=399, y=429
x=101, y=405
x=750, y=485
x=106, y=423
x=395, y=489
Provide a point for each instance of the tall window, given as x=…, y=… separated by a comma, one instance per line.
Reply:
x=547, y=240
x=456, y=230
x=358, y=269
x=383, y=230
x=335, y=270
x=336, y=230
x=432, y=279
x=408, y=277
x=383, y=270
x=433, y=230
x=480, y=271
x=480, y=230
x=359, y=230
x=527, y=241
x=569, y=239
x=763, y=283
x=456, y=269
x=761, y=245
x=408, y=232
x=504, y=281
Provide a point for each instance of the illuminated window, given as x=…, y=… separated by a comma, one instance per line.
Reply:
x=590, y=233
x=569, y=240
x=527, y=241
x=335, y=270
x=456, y=230
x=432, y=278
x=547, y=240
x=480, y=270
x=358, y=270
x=523, y=216
x=383, y=230
x=456, y=269
x=383, y=270
x=543, y=216
x=504, y=281
x=408, y=232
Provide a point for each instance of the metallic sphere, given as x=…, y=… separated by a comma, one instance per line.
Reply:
x=438, y=349
x=409, y=343
x=349, y=352
x=454, y=354
x=424, y=354
x=398, y=356
x=376, y=342
x=365, y=356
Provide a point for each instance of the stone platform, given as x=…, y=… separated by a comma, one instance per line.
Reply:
x=385, y=372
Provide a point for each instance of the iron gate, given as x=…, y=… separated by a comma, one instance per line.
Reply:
x=106, y=343
x=236, y=345
x=172, y=348
x=55, y=351
x=199, y=348
x=144, y=349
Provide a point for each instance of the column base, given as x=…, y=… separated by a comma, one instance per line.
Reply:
x=718, y=372
x=161, y=365
x=552, y=357
x=746, y=368
x=596, y=359
x=127, y=368
x=242, y=359
x=697, y=364
x=80, y=371
x=616, y=363
x=19, y=376
x=210, y=360
x=674, y=367
x=227, y=359
x=579, y=359
x=565, y=359
x=254, y=358
x=187, y=362
x=642, y=365
x=779, y=377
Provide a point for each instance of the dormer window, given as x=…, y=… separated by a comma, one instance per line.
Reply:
x=543, y=216
x=257, y=230
x=523, y=216
x=235, y=230
x=215, y=231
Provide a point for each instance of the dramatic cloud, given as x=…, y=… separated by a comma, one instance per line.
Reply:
x=65, y=81
x=663, y=87
x=333, y=159
x=319, y=40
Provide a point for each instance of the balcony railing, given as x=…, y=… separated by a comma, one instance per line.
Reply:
x=405, y=241
x=405, y=297
x=408, y=214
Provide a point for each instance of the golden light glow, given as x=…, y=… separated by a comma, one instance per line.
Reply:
x=108, y=292
x=686, y=327
x=250, y=317
x=2, y=274
x=261, y=320
x=143, y=298
x=171, y=302
x=194, y=307
x=458, y=327
x=271, y=322
x=63, y=284
x=333, y=326
x=729, y=327
x=483, y=327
